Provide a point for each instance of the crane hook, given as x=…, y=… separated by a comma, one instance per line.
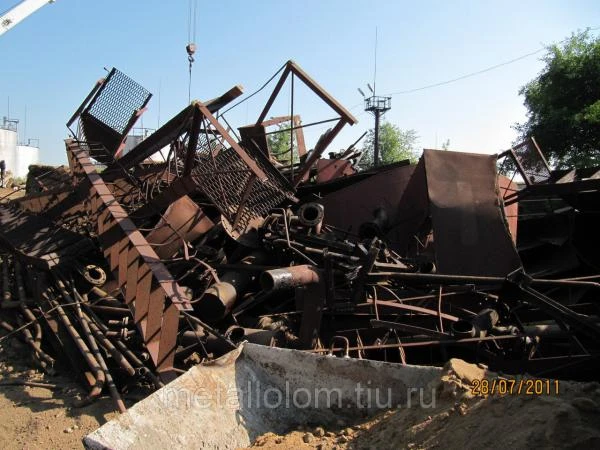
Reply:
x=191, y=50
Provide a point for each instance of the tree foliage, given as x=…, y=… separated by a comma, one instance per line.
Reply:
x=279, y=144
x=563, y=103
x=395, y=145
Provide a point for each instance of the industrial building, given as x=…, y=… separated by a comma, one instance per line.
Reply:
x=17, y=156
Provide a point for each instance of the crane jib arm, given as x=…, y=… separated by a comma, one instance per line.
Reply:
x=20, y=12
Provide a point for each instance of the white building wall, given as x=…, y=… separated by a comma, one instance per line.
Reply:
x=8, y=148
x=25, y=156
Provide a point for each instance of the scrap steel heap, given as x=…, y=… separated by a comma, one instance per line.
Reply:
x=131, y=269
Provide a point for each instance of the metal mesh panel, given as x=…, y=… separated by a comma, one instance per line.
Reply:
x=226, y=179
x=118, y=100
x=534, y=167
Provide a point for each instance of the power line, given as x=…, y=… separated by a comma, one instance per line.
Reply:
x=479, y=72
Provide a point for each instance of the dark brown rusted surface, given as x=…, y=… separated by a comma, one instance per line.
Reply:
x=466, y=215
x=166, y=262
x=150, y=291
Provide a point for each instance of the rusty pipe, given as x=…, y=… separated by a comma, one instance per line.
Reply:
x=111, y=310
x=23, y=303
x=34, y=341
x=376, y=226
x=45, y=360
x=6, y=294
x=128, y=355
x=214, y=345
x=311, y=215
x=218, y=300
x=289, y=277
x=99, y=374
x=110, y=348
x=94, y=332
x=112, y=388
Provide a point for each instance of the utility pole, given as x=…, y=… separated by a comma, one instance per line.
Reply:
x=377, y=106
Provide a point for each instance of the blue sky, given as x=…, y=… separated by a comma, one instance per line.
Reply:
x=50, y=61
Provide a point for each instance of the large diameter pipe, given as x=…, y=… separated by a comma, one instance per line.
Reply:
x=183, y=220
x=289, y=277
x=216, y=346
x=218, y=300
x=311, y=215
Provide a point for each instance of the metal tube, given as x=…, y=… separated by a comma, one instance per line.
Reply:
x=311, y=215
x=439, y=278
x=23, y=302
x=96, y=352
x=125, y=351
x=94, y=330
x=218, y=300
x=6, y=294
x=289, y=277
x=111, y=310
x=83, y=348
x=428, y=343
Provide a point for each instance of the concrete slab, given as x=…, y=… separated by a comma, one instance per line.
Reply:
x=255, y=389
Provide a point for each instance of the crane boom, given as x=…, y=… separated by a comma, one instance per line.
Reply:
x=15, y=15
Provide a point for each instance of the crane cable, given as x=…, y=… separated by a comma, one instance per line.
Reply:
x=191, y=46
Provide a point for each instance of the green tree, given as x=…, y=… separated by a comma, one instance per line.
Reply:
x=563, y=103
x=279, y=144
x=394, y=145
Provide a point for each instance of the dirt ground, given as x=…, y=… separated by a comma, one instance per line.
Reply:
x=36, y=417
x=7, y=194
x=460, y=420
x=40, y=418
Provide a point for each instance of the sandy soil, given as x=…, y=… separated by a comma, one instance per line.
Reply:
x=40, y=418
x=460, y=420
x=7, y=194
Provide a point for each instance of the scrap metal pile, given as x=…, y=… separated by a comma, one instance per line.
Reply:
x=139, y=267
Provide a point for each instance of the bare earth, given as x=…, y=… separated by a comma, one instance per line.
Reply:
x=40, y=418
x=459, y=420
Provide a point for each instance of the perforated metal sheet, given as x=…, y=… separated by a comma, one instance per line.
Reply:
x=118, y=100
x=534, y=166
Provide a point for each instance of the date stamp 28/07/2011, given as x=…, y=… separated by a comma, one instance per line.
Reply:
x=525, y=386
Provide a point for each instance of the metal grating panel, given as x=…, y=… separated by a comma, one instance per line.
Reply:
x=232, y=186
x=535, y=168
x=118, y=100
x=225, y=179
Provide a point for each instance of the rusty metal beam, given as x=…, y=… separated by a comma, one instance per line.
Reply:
x=322, y=93
x=273, y=96
x=169, y=131
x=192, y=143
x=318, y=151
x=234, y=145
x=153, y=295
